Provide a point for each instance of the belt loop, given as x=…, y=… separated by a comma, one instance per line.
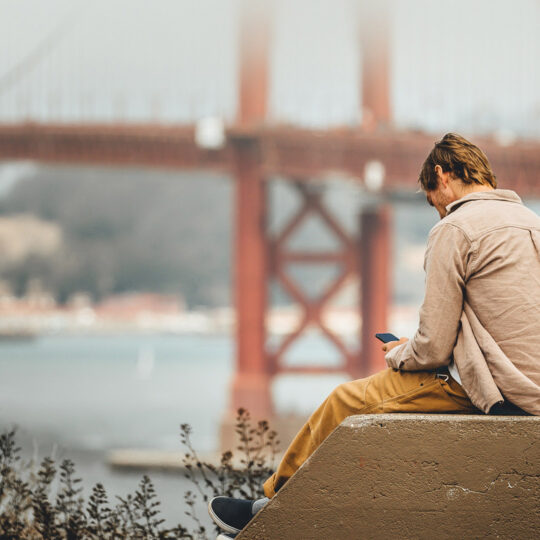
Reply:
x=443, y=376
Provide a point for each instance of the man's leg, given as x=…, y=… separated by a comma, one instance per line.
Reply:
x=388, y=391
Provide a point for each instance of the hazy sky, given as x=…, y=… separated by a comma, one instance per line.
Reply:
x=472, y=65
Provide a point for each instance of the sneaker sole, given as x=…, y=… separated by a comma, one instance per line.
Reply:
x=219, y=523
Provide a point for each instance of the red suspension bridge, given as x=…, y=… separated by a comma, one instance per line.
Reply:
x=252, y=152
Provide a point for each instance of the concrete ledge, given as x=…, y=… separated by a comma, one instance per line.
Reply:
x=413, y=476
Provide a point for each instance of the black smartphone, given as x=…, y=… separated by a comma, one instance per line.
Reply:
x=385, y=338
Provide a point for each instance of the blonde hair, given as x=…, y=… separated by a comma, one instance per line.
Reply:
x=461, y=158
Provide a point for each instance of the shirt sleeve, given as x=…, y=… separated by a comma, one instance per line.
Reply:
x=447, y=256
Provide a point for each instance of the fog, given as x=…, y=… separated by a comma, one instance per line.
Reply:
x=469, y=65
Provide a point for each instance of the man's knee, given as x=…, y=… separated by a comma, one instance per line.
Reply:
x=339, y=391
x=348, y=394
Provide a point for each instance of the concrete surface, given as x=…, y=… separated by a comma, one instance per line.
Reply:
x=413, y=476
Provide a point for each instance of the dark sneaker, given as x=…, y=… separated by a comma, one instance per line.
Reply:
x=232, y=515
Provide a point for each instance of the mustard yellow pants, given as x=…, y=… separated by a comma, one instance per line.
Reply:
x=389, y=391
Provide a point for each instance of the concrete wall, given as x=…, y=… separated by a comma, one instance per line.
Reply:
x=413, y=476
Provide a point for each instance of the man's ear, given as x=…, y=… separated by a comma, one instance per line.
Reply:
x=442, y=176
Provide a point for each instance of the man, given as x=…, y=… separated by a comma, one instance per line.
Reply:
x=477, y=347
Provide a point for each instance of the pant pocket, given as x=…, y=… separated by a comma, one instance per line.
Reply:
x=424, y=398
x=455, y=392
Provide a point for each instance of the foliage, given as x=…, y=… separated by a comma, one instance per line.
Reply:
x=28, y=508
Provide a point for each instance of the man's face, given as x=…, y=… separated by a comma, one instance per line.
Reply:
x=443, y=194
x=439, y=200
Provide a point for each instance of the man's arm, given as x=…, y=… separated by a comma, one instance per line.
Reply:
x=445, y=264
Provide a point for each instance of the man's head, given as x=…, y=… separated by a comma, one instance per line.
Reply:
x=454, y=168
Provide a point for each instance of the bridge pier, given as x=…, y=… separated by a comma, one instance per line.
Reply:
x=251, y=384
x=376, y=285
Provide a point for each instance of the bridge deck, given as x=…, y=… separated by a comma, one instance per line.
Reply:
x=293, y=153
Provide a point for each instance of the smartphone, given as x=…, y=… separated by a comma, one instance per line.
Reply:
x=385, y=338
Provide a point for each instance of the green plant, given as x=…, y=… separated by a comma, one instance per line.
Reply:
x=28, y=508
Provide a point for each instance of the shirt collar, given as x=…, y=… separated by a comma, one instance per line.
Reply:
x=491, y=195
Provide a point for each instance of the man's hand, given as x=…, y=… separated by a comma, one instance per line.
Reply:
x=391, y=344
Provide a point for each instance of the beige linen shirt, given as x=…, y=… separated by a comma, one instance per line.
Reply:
x=482, y=301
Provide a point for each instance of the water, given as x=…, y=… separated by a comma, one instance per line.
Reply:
x=82, y=396
x=97, y=393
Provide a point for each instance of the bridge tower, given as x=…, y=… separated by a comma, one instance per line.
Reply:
x=260, y=257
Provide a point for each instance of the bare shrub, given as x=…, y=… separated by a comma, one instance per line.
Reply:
x=29, y=509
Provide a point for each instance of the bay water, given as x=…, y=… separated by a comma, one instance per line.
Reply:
x=81, y=396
